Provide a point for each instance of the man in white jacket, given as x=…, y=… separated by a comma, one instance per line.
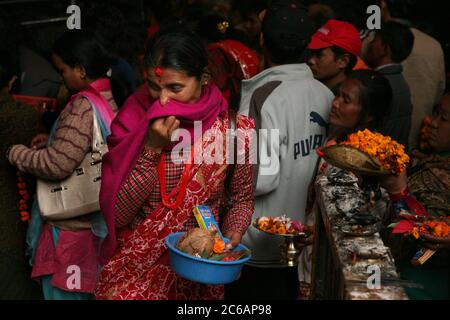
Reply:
x=290, y=108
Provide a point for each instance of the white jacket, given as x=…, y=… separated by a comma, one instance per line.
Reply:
x=286, y=98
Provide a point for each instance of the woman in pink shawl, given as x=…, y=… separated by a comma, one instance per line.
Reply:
x=148, y=194
x=65, y=253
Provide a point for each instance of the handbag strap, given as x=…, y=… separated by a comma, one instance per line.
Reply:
x=100, y=107
x=97, y=138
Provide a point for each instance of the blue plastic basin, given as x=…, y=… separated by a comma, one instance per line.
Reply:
x=203, y=270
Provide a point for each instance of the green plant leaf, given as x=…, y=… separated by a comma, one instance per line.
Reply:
x=393, y=225
x=217, y=257
x=205, y=255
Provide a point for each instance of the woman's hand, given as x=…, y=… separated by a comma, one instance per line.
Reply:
x=39, y=141
x=160, y=132
x=303, y=242
x=235, y=239
x=435, y=243
x=395, y=184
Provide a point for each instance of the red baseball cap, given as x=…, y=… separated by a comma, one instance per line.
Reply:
x=337, y=33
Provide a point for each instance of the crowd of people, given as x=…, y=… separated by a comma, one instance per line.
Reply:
x=263, y=65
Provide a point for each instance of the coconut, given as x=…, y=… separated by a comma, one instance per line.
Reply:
x=197, y=242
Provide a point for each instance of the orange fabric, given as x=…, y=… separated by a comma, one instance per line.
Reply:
x=361, y=65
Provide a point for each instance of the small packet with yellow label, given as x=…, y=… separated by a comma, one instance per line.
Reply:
x=422, y=256
x=205, y=219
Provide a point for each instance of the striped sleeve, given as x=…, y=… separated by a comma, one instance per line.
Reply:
x=239, y=217
x=137, y=188
x=242, y=188
x=70, y=144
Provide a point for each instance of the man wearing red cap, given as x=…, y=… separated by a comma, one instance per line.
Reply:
x=334, y=52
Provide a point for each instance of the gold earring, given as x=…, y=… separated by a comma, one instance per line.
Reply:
x=206, y=79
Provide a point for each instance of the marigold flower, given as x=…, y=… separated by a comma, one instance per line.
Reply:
x=22, y=189
x=434, y=228
x=279, y=225
x=219, y=246
x=390, y=153
x=415, y=233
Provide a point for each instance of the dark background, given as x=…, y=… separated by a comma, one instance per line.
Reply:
x=430, y=16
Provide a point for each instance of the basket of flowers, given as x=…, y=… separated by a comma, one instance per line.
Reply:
x=437, y=228
x=432, y=230
x=368, y=153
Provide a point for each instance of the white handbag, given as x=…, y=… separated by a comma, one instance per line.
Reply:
x=78, y=194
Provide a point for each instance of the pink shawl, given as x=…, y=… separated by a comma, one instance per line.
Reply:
x=128, y=132
x=92, y=93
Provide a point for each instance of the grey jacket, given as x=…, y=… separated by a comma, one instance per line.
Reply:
x=289, y=100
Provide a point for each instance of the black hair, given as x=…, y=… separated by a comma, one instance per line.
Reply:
x=81, y=48
x=181, y=51
x=286, y=53
x=398, y=38
x=402, y=9
x=339, y=53
x=213, y=28
x=159, y=9
x=288, y=46
x=113, y=29
x=375, y=96
x=321, y=16
x=248, y=7
x=170, y=12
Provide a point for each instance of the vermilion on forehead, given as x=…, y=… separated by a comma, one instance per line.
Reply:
x=159, y=71
x=171, y=77
x=166, y=72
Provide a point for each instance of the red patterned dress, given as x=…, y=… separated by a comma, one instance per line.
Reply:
x=140, y=267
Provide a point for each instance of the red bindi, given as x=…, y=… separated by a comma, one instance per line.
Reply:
x=159, y=71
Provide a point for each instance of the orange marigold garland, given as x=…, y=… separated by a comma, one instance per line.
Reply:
x=389, y=152
x=440, y=229
x=24, y=202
